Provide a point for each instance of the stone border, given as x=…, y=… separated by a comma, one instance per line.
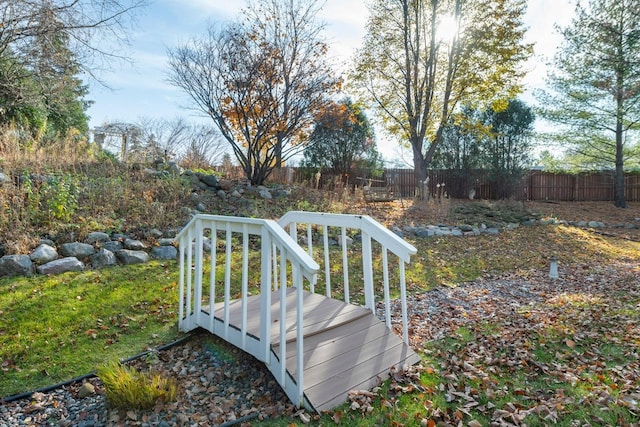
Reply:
x=99, y=250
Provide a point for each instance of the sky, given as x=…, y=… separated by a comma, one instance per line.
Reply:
x=139, y=89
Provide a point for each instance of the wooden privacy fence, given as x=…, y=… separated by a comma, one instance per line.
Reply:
x=536, y=185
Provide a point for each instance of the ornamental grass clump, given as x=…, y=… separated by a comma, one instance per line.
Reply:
x=125, y=387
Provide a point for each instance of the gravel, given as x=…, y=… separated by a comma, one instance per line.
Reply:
x=218, y=384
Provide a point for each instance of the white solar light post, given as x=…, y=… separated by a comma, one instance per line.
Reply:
x=553, y=268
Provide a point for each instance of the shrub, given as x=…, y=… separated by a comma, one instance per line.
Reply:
x=125, y=387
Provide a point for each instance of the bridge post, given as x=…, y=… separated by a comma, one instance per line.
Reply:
x=367, y=272
x=265, y=297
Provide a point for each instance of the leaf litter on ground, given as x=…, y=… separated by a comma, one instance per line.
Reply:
x=525, y=349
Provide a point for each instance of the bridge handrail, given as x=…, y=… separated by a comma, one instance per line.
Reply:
x=370, y=230
x=277, y=248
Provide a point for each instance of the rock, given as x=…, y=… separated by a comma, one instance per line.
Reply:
x=528, y=222
x=595, y=224
x=465, y=228
x=410, y=229
x=348, y=241
x=492, y=230
x=281, y=193
x=48, y=242
x=164, y=252
x=201, y=207
x=128, y=257
x=440, y=232
x=16, y=265
x=112, y=245
x=456, y=232
x=194, y=198
x=154, y=233
x=425, y=232
x=224, y=184
x=166, y=241
x=61, y=265
x=236, y=194
x=3, y=178
x=174, y=168
x=134, y=245
x=265, y=194
x=210, y=180
x=582, y=223
x=87, y=389
x=221, y=194
x=96, y=237
x=153, y=172
x=103, y=258
x=77, y=250
x=43, y=254
x=194, y=180
x=397, y=231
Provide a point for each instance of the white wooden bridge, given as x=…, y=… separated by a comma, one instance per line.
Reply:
x=317, y=347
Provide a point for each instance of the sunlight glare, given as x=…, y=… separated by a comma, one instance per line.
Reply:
x=447, y=28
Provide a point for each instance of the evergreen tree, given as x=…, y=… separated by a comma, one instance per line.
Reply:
x=595, y=86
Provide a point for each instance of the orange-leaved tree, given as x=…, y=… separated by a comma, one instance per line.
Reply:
x=261, y=80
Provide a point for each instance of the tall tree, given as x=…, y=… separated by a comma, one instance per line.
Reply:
x=55, y=69
x=44, y=47
x=506, y=147
x=261, y=81
x=595, y=86
x=342, y=140
x=493, y=141
x=421, y=59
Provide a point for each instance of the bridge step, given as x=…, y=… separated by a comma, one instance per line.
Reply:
x=345, y=346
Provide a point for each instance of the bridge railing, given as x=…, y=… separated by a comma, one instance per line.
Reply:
x=331, y=230
x=214, y=272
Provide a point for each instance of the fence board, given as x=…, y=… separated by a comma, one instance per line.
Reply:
x=536, y=185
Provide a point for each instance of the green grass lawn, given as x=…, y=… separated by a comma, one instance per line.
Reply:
x=56, y=328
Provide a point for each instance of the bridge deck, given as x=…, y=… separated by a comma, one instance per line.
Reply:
x=345, y=346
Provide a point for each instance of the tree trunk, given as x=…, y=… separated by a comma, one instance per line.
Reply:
x=420, y=172
x=619, y=200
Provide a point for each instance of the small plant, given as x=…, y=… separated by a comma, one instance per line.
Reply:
x=125, y=387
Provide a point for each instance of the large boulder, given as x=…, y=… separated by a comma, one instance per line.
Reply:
x=43, y=254
x=166, y=241
x=97, y=237
x=112, y=246
x=128, y=257
x=61, y=265
x=210, y=180
x=134, y=245
x=77, y=250
x=103, y=258
x=164, y=252
x=16, y=265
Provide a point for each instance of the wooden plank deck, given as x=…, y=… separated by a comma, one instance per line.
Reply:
x=345, y=346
